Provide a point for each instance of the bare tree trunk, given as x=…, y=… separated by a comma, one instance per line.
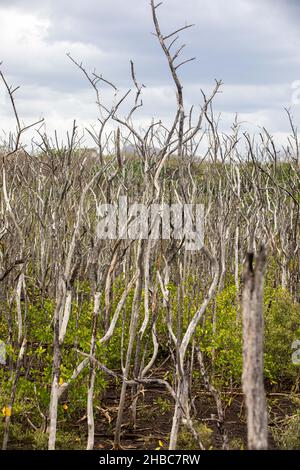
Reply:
x=55, y=384
x=13, y=394
x=90, y=398
x=284, y=280
x=217, y=397
x=236, y=267
x=176, y=419
x=253, y=335
x=132, y=337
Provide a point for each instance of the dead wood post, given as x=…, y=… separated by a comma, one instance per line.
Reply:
x=253, y=335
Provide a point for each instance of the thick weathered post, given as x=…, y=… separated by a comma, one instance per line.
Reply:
x=253, y=336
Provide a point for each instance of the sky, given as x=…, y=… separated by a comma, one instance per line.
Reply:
x=252, y=45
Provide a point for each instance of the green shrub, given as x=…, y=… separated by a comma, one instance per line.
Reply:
x=225, y=345
x=186, y=441
x=282, y=327
x=288, y=437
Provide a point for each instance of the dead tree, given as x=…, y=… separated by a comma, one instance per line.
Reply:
x=253, y=336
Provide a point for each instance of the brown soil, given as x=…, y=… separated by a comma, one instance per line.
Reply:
x=154, y=418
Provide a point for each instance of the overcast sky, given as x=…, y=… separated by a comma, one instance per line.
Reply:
x=252, y=45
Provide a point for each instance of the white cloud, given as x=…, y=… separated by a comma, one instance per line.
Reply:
x=252, y=44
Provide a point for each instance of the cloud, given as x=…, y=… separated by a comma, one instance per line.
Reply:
x=251, y=44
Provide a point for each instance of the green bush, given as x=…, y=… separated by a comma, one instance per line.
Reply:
x=186, y=441
x=225, y=345
x=282, y=327
x=288, y=437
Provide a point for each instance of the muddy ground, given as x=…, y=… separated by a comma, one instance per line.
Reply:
x=155, y=411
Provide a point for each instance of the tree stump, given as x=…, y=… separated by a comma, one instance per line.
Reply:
x=253, y=350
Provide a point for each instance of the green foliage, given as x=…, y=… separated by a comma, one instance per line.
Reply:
x=225, y=344
x=288, y=437
x=163, y=405
x=222, y=351
x=186, y=441
x=24, y=437
x=236, y=444
x=282, y=327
